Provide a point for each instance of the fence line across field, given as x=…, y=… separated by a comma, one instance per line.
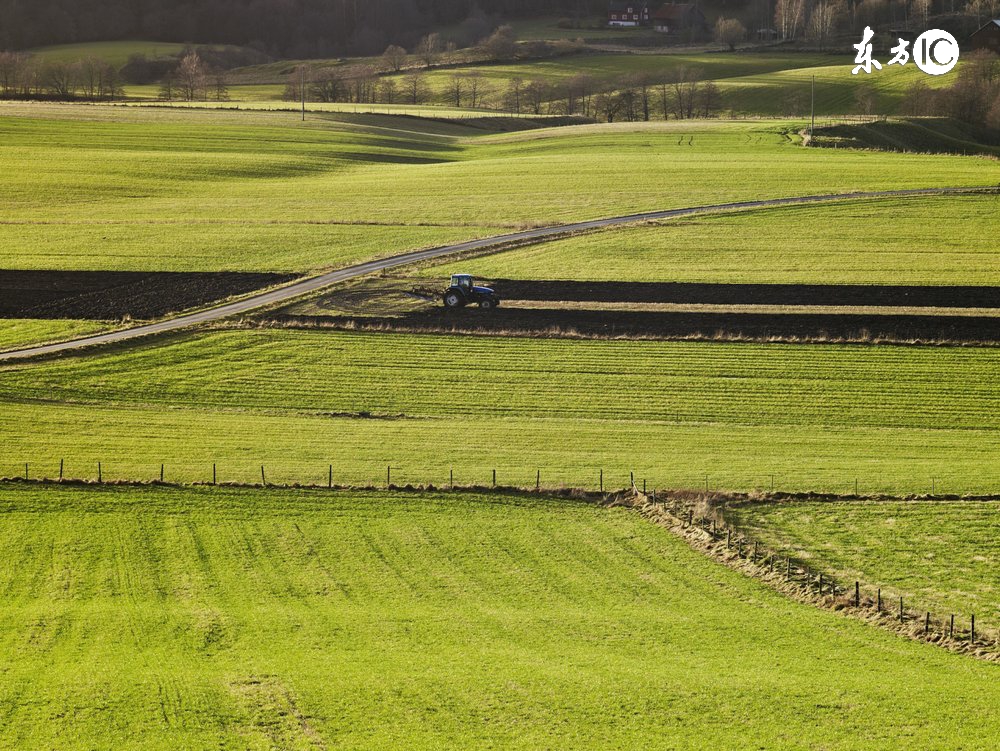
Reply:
x=812, y=581
x=523, y=476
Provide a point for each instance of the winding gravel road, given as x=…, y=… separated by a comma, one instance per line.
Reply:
x=311, y=284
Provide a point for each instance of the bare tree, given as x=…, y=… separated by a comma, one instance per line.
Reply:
x=429, y=49
x=501, y=44
x=708, y=99
x=679, y=95
x=515, y=94
x=789, y=15
x=328, y=85
x=220, y=86
x=61, y=78
x=457, y=88
x=475, y=88
x=168, y=88
x=388, y=90
x=297, y=81
x=608, y=104
x=922, y=9
x=823, y=21
x=584, y=85
x=394, y=58
x=536, y=93
x=729, y=31
x=415, y=86
x=192, y=77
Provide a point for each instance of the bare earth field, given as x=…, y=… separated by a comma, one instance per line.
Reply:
x=114, y=295
x=667, y=310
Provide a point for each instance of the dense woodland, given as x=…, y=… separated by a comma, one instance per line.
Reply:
x=284, y=28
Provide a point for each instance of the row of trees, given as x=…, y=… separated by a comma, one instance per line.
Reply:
x=285, y=28
x=973, y=98
x=684, y=94
x=820, y=20
x=23, y=76
x=193, y=80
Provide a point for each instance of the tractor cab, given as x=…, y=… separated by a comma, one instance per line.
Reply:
x=463, y=291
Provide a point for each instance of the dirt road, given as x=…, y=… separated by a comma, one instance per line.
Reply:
x=312, y=284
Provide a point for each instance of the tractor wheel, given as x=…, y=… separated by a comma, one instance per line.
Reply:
x=453, y=300
x=488, y=303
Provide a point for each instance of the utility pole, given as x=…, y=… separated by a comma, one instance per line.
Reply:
x=812, y=109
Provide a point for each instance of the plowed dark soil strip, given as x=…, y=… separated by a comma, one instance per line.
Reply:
x=114, y=295
x=894, y=328
x=751, y=294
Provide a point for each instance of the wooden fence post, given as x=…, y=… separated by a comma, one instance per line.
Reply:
x=451, y=478
x=161, y=472
x=900, y=609
x=538, y=480
x=329, y=479
x=100, y=474
x=878, y=604
x=951, y=628
x=857, y=594
x=263, y=481
x=972, y=634
x=729, y=538
x=61, y=470
x=388, y=476
x=601, y=481
x=494, y=478
x=26, y=470
x=927, y=622
x=214, y=475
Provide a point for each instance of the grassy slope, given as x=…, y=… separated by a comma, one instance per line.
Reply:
x=613, y=68
x=16, y=333
x=788, y=91
x=233, y=619
x=261, y=192
x=937, y=240
x=815, y=417
x=116, y=53
x=940, y=556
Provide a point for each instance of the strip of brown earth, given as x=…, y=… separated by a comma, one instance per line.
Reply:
x=643, y=325
x=842, y=295
x=117, y=295
x=670, y=307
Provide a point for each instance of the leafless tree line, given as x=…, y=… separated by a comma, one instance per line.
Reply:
x=193, y=80
x=23, y=76
x=973, y=98
x=682, y=94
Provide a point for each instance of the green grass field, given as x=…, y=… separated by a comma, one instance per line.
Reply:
x=19, y=332
x=941, y=556
x=116, y=53
x=197, y=618
x=815, y=417
x=933, y=240
x=236, y=191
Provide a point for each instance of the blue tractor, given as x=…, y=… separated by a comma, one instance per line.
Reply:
x=464, y=292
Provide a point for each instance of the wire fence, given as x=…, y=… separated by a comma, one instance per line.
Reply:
x=726, y=539
x=958, y=631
